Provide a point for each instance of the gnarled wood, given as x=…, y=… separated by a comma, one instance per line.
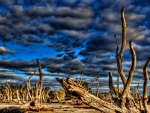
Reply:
x=145, y=87
x=89, y=98
x=131, y=72
x=120, y=54
x=29, y=87
x=34, y=103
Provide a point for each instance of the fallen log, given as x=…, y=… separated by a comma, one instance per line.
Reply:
x=89, y=98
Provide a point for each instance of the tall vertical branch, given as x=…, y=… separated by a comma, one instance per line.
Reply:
x=28, y=86
x=111, y=85
x=120, y=54
x=41, y=77
x=10, y=91
x=30, y=79
x=98, y=84
x=145, y=87
x=118, y=82
x=117, y=49
x=131, y=72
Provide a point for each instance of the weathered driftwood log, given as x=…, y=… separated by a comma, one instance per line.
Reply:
x=145, y=87
x=89, y=98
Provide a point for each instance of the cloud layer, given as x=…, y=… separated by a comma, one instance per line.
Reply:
x=70, y=37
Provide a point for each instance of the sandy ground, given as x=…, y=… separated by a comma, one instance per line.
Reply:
x=58, y=108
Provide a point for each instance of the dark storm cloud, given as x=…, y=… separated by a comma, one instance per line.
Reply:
x=60, y=11
x=9, y=75
x=81, y=31
x=17, y=64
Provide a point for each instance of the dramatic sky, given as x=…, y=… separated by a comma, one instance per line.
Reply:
x=70, y=37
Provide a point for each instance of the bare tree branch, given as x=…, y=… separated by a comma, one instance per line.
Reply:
x=145, y=86
x=131, y=72
x=120, y=54
x=41, y=77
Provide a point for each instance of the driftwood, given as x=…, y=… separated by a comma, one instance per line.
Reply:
x=89, y=98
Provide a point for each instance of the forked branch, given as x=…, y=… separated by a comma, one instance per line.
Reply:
x=131, y=72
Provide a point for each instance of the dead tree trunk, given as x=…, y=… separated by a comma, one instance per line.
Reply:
x=120, y=54
x=28, y=86
x=131, y=72
x=35, y=102
x=43, y=96
x=138, y=86
x=97, y=89
x=36, y=94
x=138, y=95
x=10, y=91
x=7, y=93
x=18, y=96
x=97, y=75
x=118, y=83
x=111, y=85
x=145, y=87
x=126, y=83
x=41, y=80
